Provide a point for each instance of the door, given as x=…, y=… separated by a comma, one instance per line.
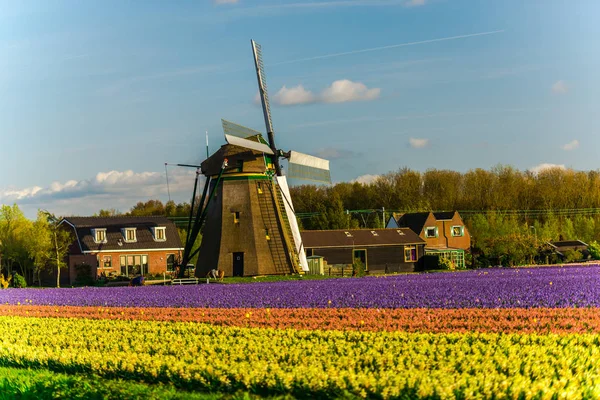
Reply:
x=362, y=256
x=238, y=264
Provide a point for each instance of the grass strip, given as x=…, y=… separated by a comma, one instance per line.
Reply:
x=34, y=384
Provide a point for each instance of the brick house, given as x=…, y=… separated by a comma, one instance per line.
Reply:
x=128, y=246
x=445, y=233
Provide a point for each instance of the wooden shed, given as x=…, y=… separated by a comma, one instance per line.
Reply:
x=381, y=250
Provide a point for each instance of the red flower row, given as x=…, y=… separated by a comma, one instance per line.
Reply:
x=542, y=320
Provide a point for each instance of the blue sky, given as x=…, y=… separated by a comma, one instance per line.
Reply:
x=96, y=96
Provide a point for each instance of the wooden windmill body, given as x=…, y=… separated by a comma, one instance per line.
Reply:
x=246, y=232
x=248, y=224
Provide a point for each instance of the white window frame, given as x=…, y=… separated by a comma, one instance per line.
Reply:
x=125, y=230
x=162, y=229
x=96, y=231
x=462, y=230
x=167, y=262
x=427, y=233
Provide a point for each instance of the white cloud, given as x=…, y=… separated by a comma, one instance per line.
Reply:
x=414, y=3
x=560, y=87
x=293, y=96
x=365, y=179
x=546, y=166
x=572, y=145
x=345, y=90
x=112, y=189
x=340, y=91
x=418, y=143
x=219, y=2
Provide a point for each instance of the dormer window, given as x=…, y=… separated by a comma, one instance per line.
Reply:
x=458, y=230
x=400, y=232
x=348, y=234
x=99, y=235
x=160, y=233
x=374, y=233
x=431, y=232
x=130, y=235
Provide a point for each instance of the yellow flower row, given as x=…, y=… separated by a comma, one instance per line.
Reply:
x=327, y=363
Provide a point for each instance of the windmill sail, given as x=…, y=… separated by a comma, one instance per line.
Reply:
x=289, y=210
x=304, y=166
x=240, y=131
x=249, y=144
x=262, y=85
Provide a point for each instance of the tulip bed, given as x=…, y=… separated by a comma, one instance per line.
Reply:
x=514, y=334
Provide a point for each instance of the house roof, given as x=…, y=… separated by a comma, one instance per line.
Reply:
x=444, y=215
x=359, y=237
x=144, y=236
x=569, y=243
x=414, y=221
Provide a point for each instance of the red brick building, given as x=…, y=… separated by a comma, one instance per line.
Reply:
x=127, y=246
x=445, y=233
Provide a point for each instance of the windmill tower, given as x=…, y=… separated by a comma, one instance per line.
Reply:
x=249, y=225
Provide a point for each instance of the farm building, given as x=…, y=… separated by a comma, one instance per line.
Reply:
x=562, y=246
x=127, y=246
x=445, y=233
x=380, y=250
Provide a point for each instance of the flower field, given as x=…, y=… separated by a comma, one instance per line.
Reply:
x=514, y=334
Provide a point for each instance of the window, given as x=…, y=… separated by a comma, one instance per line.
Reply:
x=144, y=264
x=410, y=253
x=348, y=234
x=123, y=265
x=431, y=232
x=239, y=166
x=310, y=252
x=400, y=232
x=99, y=235
x=374, y=233
x=130, y=235
x=458, y=230
x=236, y=217
x=132, y=265
x=170, y=262
x=267, y=233
x=107, y=261
x=259, y=187
x=160, y=234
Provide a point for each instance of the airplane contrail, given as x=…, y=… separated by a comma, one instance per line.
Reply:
x=387, y=47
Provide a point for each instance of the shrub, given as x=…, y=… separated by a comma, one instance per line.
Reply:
x=446, y=263
x=358, y=268
x=19, y=281
x=594, y=249
x=572, y=255
x=84, y=274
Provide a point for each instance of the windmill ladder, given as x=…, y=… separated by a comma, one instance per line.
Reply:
x=273, y=215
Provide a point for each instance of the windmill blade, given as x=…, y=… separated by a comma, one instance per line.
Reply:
x=262, y=85
x=248, y=144
x=233, y=129
x=304, y=166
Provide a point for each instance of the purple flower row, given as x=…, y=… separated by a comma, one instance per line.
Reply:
x=526, y=287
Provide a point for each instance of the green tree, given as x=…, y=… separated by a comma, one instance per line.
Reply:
x=61, y=239
x=39, y=245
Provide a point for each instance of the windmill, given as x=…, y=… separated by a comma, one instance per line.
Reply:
x=248, y=221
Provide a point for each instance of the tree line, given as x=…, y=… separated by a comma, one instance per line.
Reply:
x=29, y=247
x=511, y=214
